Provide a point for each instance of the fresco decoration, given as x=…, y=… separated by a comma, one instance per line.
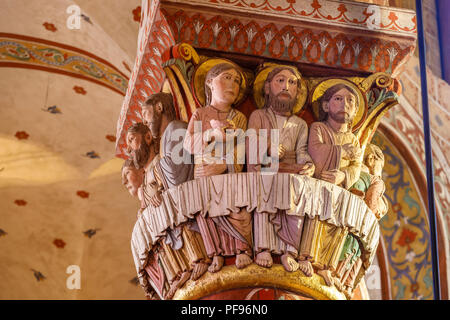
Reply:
x=110, y=138
x=20, y=202
x=38, y=275
x=83, y=194
x=79, y=90
x=354, y=13
x=22, y=135
x=53, y=109
x=148, y=78
x=286, y=42
x=404, y=229
x=409, y=128
x=92, y=155
x=137, y=14
x=59, y=243
x=50, y=26
x=90, y=232
x=15, y=51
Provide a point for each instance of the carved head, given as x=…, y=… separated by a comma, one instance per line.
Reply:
x=374, y=159
x=132, y=177
x=156, y=107
x=281, y=89
x=339, y=102
x=139, y=141
x=223, y=83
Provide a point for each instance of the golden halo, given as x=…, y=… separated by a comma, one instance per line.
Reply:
x=198, y=80
x=261, y=78
x=323, y=86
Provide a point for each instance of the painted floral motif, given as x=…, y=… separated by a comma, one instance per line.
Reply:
x=20, y=202
x=405, y=230
x=406, y=238
x=22, y=135
x=111, y=137
x=137, y=14
x=79, y=90
x=83, y=194
x=49, y=26
x=38, y=275
x=59, y=243
x=90, y=232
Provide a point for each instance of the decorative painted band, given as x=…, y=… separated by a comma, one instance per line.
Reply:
x=34, y=53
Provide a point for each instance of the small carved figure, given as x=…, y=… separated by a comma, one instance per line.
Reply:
x=374, y=196
x=336, y=154
x=371, y=188
x=230, y=234
x=278, y=232
x=170, y=170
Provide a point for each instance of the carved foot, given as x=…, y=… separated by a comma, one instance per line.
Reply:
x=306, y=267
x=326, y=275
x=199, y=269
x=289, y=262
x=216, y=264
x=177, y=284
x=264, y=259
x=243, y=260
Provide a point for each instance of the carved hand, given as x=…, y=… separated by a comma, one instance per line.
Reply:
x=307, y=169
x=333, y=176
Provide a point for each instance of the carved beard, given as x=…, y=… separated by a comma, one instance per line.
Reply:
x=340, y=117
x=278, y=106
x=140, y=156
x=154, y=127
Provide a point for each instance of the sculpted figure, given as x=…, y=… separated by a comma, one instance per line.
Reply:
x=336, y=155
x=183, y=247
x=374, y=196
x=371, y=188
x=132, y=179
x=231, y=234
x=278, y=232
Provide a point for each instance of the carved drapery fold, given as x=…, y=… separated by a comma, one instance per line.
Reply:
x=220, y=195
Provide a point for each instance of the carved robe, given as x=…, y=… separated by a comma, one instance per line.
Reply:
x=278, y=232
x=230, y=234
x=322, y=243
x=182, y=247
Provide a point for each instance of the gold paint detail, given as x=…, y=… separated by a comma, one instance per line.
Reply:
x=187, y=91
x=176, y=92
x=323, y=86
x=229, y=277
x=200, y=76
x=187, y=52
x=381, y=79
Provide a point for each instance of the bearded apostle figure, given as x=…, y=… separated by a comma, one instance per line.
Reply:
x=277, y=232
x=183, y=246
x=337, y=156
